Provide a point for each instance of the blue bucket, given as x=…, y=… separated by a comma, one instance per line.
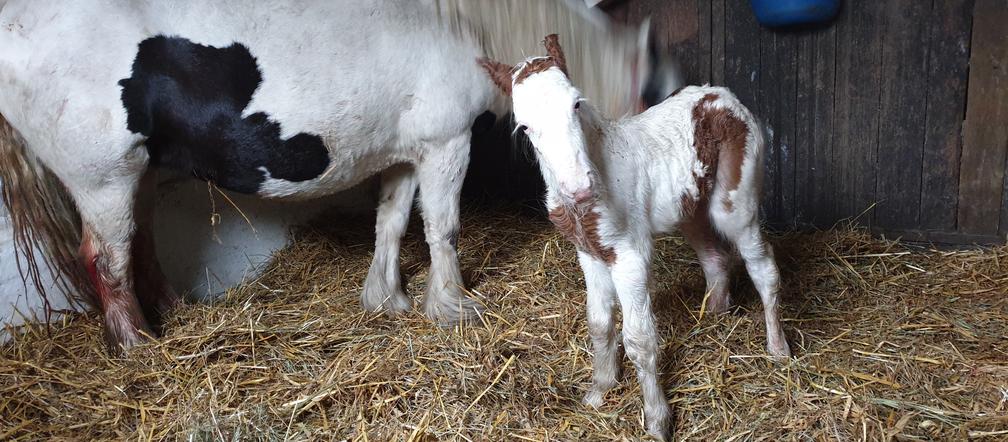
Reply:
x=794, y=12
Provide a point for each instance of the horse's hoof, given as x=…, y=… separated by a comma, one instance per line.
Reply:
x=453, y=308
x=380, y=298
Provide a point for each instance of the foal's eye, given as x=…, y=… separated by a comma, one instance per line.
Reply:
x=577, y=105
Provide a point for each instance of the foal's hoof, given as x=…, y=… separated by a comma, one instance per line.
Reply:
x=594, y=398
x=660, y=428
x=779, y=350
x=717, y=305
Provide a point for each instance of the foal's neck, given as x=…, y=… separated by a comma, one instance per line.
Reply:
x=596, y=130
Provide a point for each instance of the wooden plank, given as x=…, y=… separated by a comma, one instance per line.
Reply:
x=1003, y=226
x=985, y=132
x=804, y=143
x=777, y=82
x=858, y=82
x=741, y=54
x=822, y=188
x=717, y=42
x=902, y=114
x=704, y=52
x=948, y=72
x=768, y=109
x=837, y=203
x=787, y=124
x=940, y=237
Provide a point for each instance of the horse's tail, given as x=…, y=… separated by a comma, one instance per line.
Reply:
x=44, y=221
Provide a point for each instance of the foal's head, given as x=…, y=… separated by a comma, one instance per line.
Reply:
x=547, y=108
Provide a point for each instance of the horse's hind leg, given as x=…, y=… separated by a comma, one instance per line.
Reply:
x=383, y=286
x=105, y=199
x=108, y=227
x=155, y=294
x=441, y=172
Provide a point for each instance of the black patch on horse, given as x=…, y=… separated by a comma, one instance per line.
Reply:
x=188, y=100
x=484, y=122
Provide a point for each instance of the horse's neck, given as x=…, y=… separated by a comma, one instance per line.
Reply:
x=599, y=55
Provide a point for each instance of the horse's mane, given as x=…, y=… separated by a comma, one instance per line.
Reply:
x=599, y=54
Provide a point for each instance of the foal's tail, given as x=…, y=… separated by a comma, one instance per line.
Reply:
x=44, y=221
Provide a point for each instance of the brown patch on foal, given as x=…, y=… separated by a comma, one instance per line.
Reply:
x=582, y=230
x=499, y=73
x=502, y=74
x=535, y=66
x=720, y=139
x=552, y=44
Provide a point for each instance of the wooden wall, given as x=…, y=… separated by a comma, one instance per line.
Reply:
x=895, y=114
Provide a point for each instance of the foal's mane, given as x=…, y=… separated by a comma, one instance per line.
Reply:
x=600, y=55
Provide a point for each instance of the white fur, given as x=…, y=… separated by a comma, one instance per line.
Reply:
x=639, y=169
x=387, y=84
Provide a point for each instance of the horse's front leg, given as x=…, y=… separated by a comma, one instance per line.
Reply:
x=383, y=286
x=441, y=172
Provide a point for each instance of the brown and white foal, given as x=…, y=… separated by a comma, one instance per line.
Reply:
x=693, y=162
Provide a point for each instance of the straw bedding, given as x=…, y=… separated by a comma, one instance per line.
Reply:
x=891, y=341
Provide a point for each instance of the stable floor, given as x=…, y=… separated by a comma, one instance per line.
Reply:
x=890, y=341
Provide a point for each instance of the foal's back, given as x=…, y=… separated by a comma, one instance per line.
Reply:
x=698, y=150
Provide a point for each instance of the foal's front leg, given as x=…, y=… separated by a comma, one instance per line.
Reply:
x=601, y=300
x=640, y=338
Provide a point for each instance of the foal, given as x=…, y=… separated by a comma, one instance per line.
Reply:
x=693, y=162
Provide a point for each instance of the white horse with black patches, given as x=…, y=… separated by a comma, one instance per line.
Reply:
x=693, y=162
x=293, y=99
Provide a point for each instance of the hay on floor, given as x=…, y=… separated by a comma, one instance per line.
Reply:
x=891, y=341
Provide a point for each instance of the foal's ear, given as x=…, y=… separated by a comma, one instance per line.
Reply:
x=553, y=49
x=500, y=73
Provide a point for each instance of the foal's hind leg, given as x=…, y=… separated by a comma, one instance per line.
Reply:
x=383, y=286
x=762, y=269
x=714, y=258
x=441, y=172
